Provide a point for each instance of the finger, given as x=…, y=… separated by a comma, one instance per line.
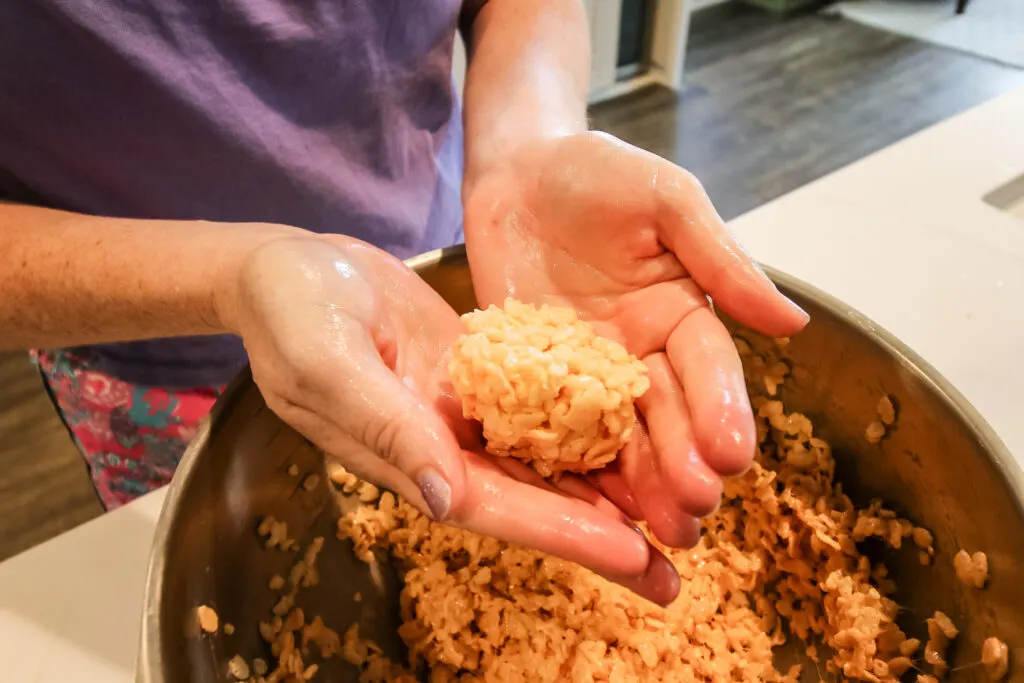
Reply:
x=693, y=230
x=585, y=491
x=610, y=482
x=553, y=523
x=645, y=271
x=366, y=401
x=336, y=445
x=665, y=520
x=685, y=476
x=337, y=350
x=673, y=527
x=568, y=485
x=468, y=433
x=518, y=470
x=704, y=357
x=659, y=583
x=648, y=316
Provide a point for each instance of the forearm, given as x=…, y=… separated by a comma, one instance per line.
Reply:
x=529, y=62
x=68, y=279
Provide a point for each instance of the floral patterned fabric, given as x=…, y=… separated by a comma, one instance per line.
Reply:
x=131, y=436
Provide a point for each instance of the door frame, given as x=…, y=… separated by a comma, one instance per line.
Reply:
x=668, y=47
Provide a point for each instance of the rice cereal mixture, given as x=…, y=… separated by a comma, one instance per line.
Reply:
x=781, y=550
x=545, y=387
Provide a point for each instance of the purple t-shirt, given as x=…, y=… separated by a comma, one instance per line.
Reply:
x=332, y=115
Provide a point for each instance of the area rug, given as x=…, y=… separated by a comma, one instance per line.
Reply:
x=993, y=29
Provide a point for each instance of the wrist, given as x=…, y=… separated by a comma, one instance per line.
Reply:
x=236, y=246
x=500, y=150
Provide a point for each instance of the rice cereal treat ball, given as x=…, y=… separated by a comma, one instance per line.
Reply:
x=545, y=387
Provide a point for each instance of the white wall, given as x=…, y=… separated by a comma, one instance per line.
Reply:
x=459, y=64
x=604, y=17
x=701, y=4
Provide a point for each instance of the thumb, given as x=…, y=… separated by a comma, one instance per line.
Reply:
x=408, y=447
x=691, y=228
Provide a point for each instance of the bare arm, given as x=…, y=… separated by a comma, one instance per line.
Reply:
x=66, y=278
x=318, y=315
x=529, y=63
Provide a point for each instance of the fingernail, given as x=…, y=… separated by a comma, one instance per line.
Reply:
x=792, y=304
x=796, y=307
x=436, y=492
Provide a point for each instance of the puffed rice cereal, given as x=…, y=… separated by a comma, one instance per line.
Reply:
x=876, y=430
x=995, y=657
x=779, y=559
x=276, y=534
x=941, y=632
x=207, y=618
x=238, y=668
x=971, y=568
x=545, y=387
x=886, y=411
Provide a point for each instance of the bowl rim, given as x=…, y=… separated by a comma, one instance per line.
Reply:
x=147, y=663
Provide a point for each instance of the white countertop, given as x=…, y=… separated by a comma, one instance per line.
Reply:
x=903, y=236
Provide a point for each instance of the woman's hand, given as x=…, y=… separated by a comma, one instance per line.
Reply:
x=633, y=243
x=350, y=347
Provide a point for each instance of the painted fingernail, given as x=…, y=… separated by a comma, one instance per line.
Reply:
x=436, y=492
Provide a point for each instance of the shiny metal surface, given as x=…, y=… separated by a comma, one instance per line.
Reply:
x=942, y=466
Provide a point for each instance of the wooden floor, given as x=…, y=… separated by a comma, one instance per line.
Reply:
x=44, y=489
x=770, y=105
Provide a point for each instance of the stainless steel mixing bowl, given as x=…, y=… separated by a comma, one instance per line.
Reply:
x=942, y=467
